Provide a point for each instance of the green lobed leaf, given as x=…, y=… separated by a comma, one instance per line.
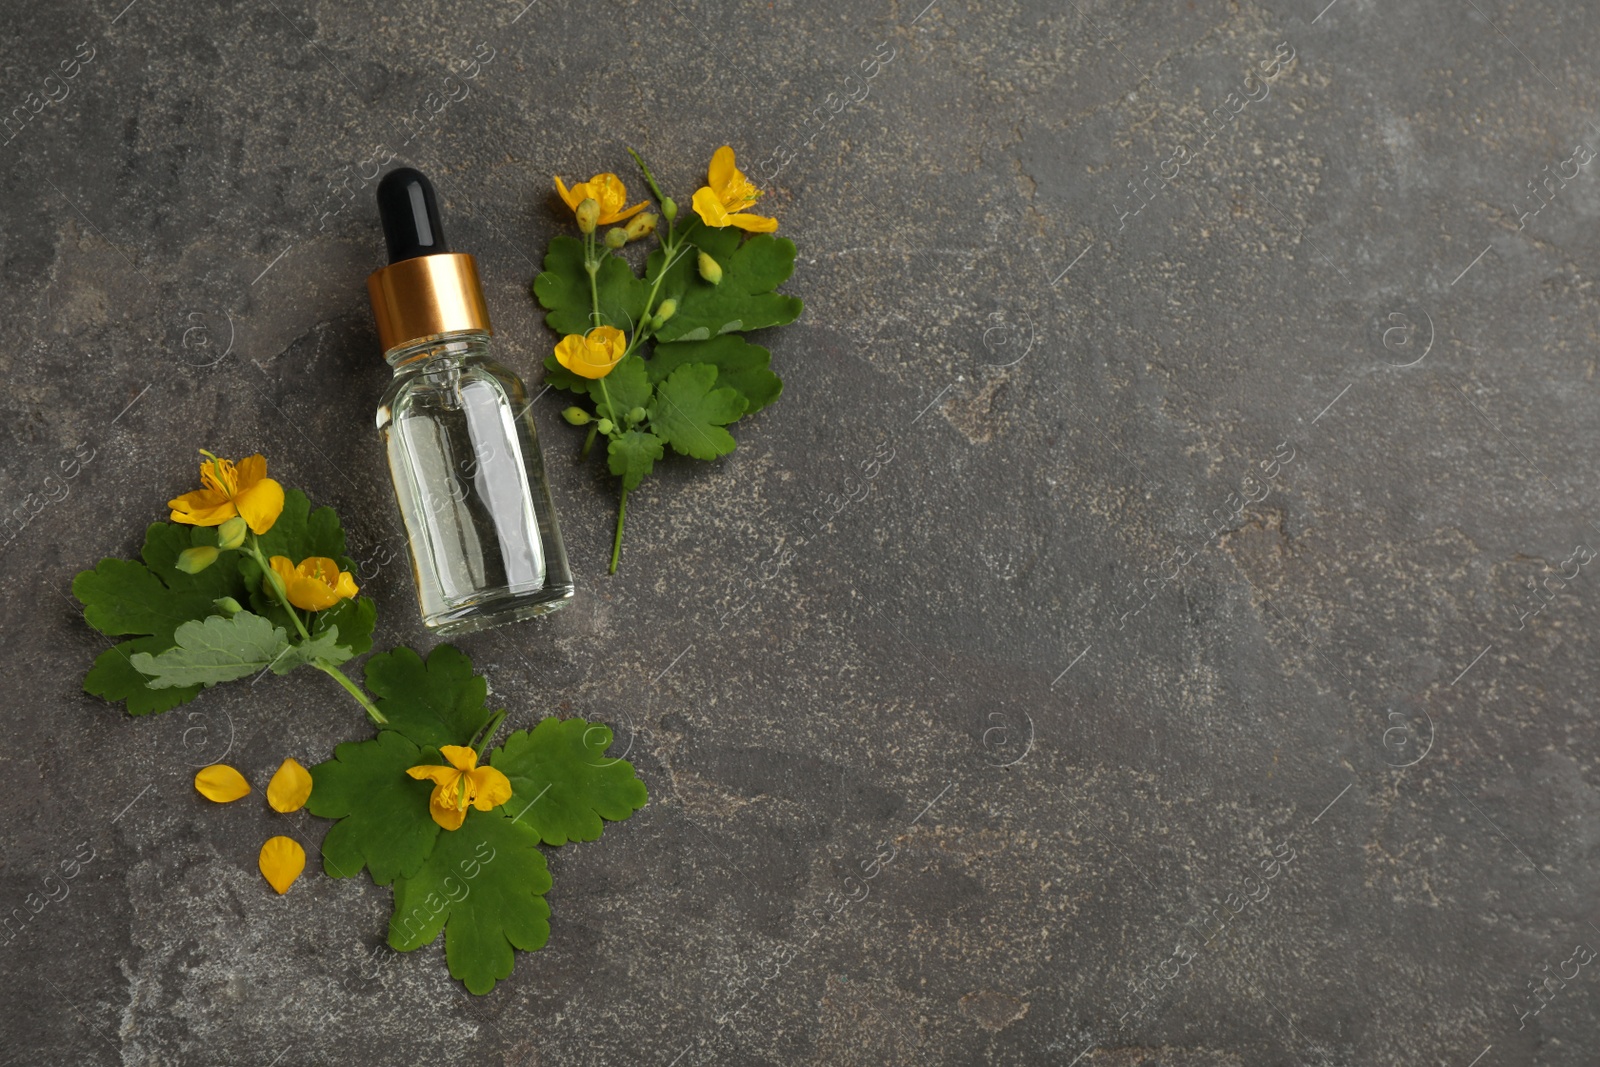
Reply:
x=741, y=366
x=114, y=678
x=152, y=598
x=562, y=783
x=123, y=596
x=632, y=456
x=438, y=703
x=484, y=885
x=301, y=532
x=689, y=412
x=218, y=649
x=744, y=300
x=353, y=619
x=384, y=824
x=563, y=290
x=628, y=386
x=324, y=645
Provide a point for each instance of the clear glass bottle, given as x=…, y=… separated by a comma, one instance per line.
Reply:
x=457, y=426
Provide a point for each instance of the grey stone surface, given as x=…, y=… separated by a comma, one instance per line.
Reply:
x=1046, y=657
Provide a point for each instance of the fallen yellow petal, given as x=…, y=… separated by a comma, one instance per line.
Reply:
x=221, y=783
x=290, y=787
x=282, y=860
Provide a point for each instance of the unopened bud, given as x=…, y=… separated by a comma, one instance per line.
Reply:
x=588, y=214
x=669, y=208
x=231, y=533
x=636, y=415
x=576, y=416
x=227, y=605
x=616, y=237
x=710, y=269
x=196, y=559
x=606, y=425
x=666, y=309
x=641, y=226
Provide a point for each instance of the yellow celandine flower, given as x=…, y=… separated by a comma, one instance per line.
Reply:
x=243, y=490
x=606, y=190
x=281, y=861
x=317, y=583
x=221, y=783
x=463, y=782
x=722, y=201
x=594, y=354
x=290, y=787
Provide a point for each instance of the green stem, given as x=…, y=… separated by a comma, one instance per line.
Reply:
x=605, y=394
x=616, y=546
x=588, y=442
x=649, y=179
x=354, y=690
x=275, y=583
x=489, y=732
x=592, y=265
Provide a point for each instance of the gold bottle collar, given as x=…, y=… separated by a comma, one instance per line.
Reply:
x=426, y=296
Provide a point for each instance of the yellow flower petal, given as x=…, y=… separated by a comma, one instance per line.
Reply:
x=708, y=205
x=281, y=861
x=248, y=471
x=752, y=223
x=309, y=594
x=460, y=756
x=444, y=812
x=260, y=504
x=290, y=787
x=435, y=773
x=620, y=216
x=568, y=197
x=203, y=507
x=490, y=788
x=221, y=783
x=722, y=170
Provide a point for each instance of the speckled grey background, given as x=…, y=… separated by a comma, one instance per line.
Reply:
x=983, y=594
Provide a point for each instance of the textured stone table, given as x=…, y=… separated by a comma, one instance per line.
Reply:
x=1206, y=670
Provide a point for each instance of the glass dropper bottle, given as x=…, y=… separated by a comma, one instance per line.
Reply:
x=463, y=451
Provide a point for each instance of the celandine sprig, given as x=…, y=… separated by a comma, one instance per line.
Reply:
x=247, y=579
x=662, y=358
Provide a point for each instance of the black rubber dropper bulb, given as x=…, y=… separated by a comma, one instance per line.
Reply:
x=410, y=215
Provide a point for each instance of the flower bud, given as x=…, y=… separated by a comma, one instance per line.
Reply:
x=605, y=425
x=636, y=415
x=710, y=269
x=196, y=559
x=666, y=309
x=669, y=208
x=227, y=605
x=231, y=533
x=616, y=237
x=588, y=214
x=641, y=226
x=576, y=416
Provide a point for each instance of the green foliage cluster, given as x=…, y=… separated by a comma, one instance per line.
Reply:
x=689, y=372
x=483, y=884
x=190, y=631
